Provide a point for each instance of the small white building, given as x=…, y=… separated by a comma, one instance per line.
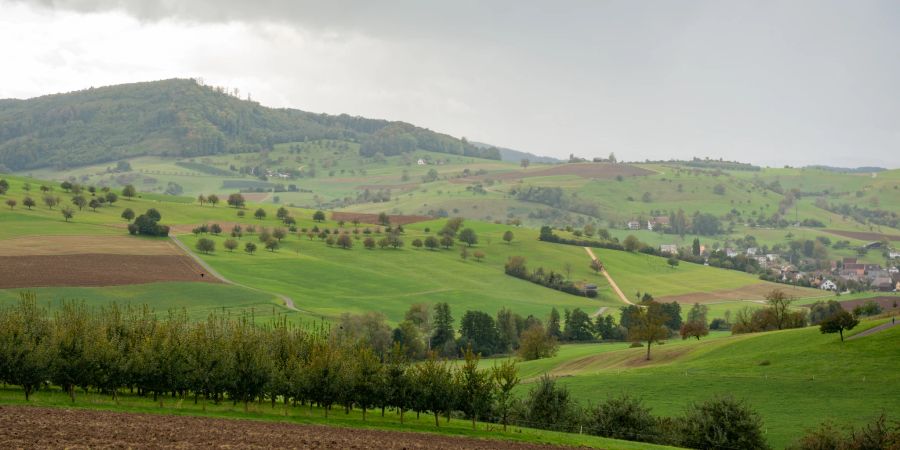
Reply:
x=634, y=225
x=421, y=162
x=730, y=252
x=828, y=285
x=751, y=251
x=668, y=248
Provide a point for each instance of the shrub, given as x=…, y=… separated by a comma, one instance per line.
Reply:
x=722, y=423
x=622, y=417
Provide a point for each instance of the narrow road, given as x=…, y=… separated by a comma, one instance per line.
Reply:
x=288, y=302
x=874, y=330
x=612, y=282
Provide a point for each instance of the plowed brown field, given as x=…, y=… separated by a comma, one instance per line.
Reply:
x=865, y=235
x=97, y=270
x=31, y=427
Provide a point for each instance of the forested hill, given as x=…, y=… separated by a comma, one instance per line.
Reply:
x=181, y=117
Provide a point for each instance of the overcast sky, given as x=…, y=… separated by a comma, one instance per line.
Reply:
x=791, y=82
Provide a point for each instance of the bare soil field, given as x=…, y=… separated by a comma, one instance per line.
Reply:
x=395, y=187
x=97, y=270
x=373, y=218
x=886, y=302
x=864, y=235
x=753, y=292
x=74, y=245
x=583, y=170
x=31, y=427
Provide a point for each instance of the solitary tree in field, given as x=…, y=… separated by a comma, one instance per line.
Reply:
x=464, y=254
x=213, y=199
x=344, y=241
x=128, y=214
x=230, y=244
x=431, y=243
x=250, y=247
x=4, y=186
x=508, y=236
x=79, y=201
x=111, y=198
x=201, y=199
x=11, y=203
x=260, y=214
x=780, y=304
x=648, y=324
x=383, y=219
x=596, y=265
x=447, y=242
x=479, y=255
x=206, y=245
x=129, y=191
x=837, y=323
x=236, y=200
x=94, y=204
x=369, y=243
x=28, y=202
x=279, y=233
x=282, y=213
x=215, y=229
x=695, y=329
x=67, y=213
x=673, y=262
x=417, y=243
x=468, y=236
x=319, y=216
x=272, y=245
x=50, y=200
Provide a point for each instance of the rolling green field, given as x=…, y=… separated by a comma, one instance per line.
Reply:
x=795, y=379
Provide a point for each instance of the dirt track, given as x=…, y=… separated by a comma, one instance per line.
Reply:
x=31, y=427
x=97, y=270
x=864, y=235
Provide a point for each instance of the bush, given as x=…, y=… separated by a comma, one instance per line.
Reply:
x=722, y=423
x=622, y=417
x=548, y=406
x=879, y=434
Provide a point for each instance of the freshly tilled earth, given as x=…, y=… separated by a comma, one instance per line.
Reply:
x=33, y=427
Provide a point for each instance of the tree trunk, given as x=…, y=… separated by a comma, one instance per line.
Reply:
x=401, y=416
x=649, y=343
x=364, y=413
x=841, y=331
x=437, y=422
x=27, y=391
x=473, y=421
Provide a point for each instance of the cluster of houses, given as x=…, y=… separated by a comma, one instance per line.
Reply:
x=843, y=272
x=653, y=223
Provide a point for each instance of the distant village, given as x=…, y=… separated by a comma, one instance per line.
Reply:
x=779, y=264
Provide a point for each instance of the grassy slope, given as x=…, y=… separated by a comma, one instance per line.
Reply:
x=811, y=377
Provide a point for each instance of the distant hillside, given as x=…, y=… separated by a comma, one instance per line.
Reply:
x=184, y=118
x=849, y=169
x=510, y=155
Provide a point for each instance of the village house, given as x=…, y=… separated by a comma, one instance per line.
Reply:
x=420, y=162
x=731, y=253
x=671, y=249
x=828, y=285
x=634, y=225
x=656, y=222
x=751, y=251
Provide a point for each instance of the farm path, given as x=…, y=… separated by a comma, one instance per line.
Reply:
x=600, y=311
x=609, y=278
x=288, y=302
x=874, y=330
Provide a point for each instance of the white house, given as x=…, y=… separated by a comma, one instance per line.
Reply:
x=730, y=252
x=668, y=248
x=751, y=251
x=421, y=162
x=828, y=285
x=634, y=225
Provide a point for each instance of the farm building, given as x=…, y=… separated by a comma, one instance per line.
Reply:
x=668, y=248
